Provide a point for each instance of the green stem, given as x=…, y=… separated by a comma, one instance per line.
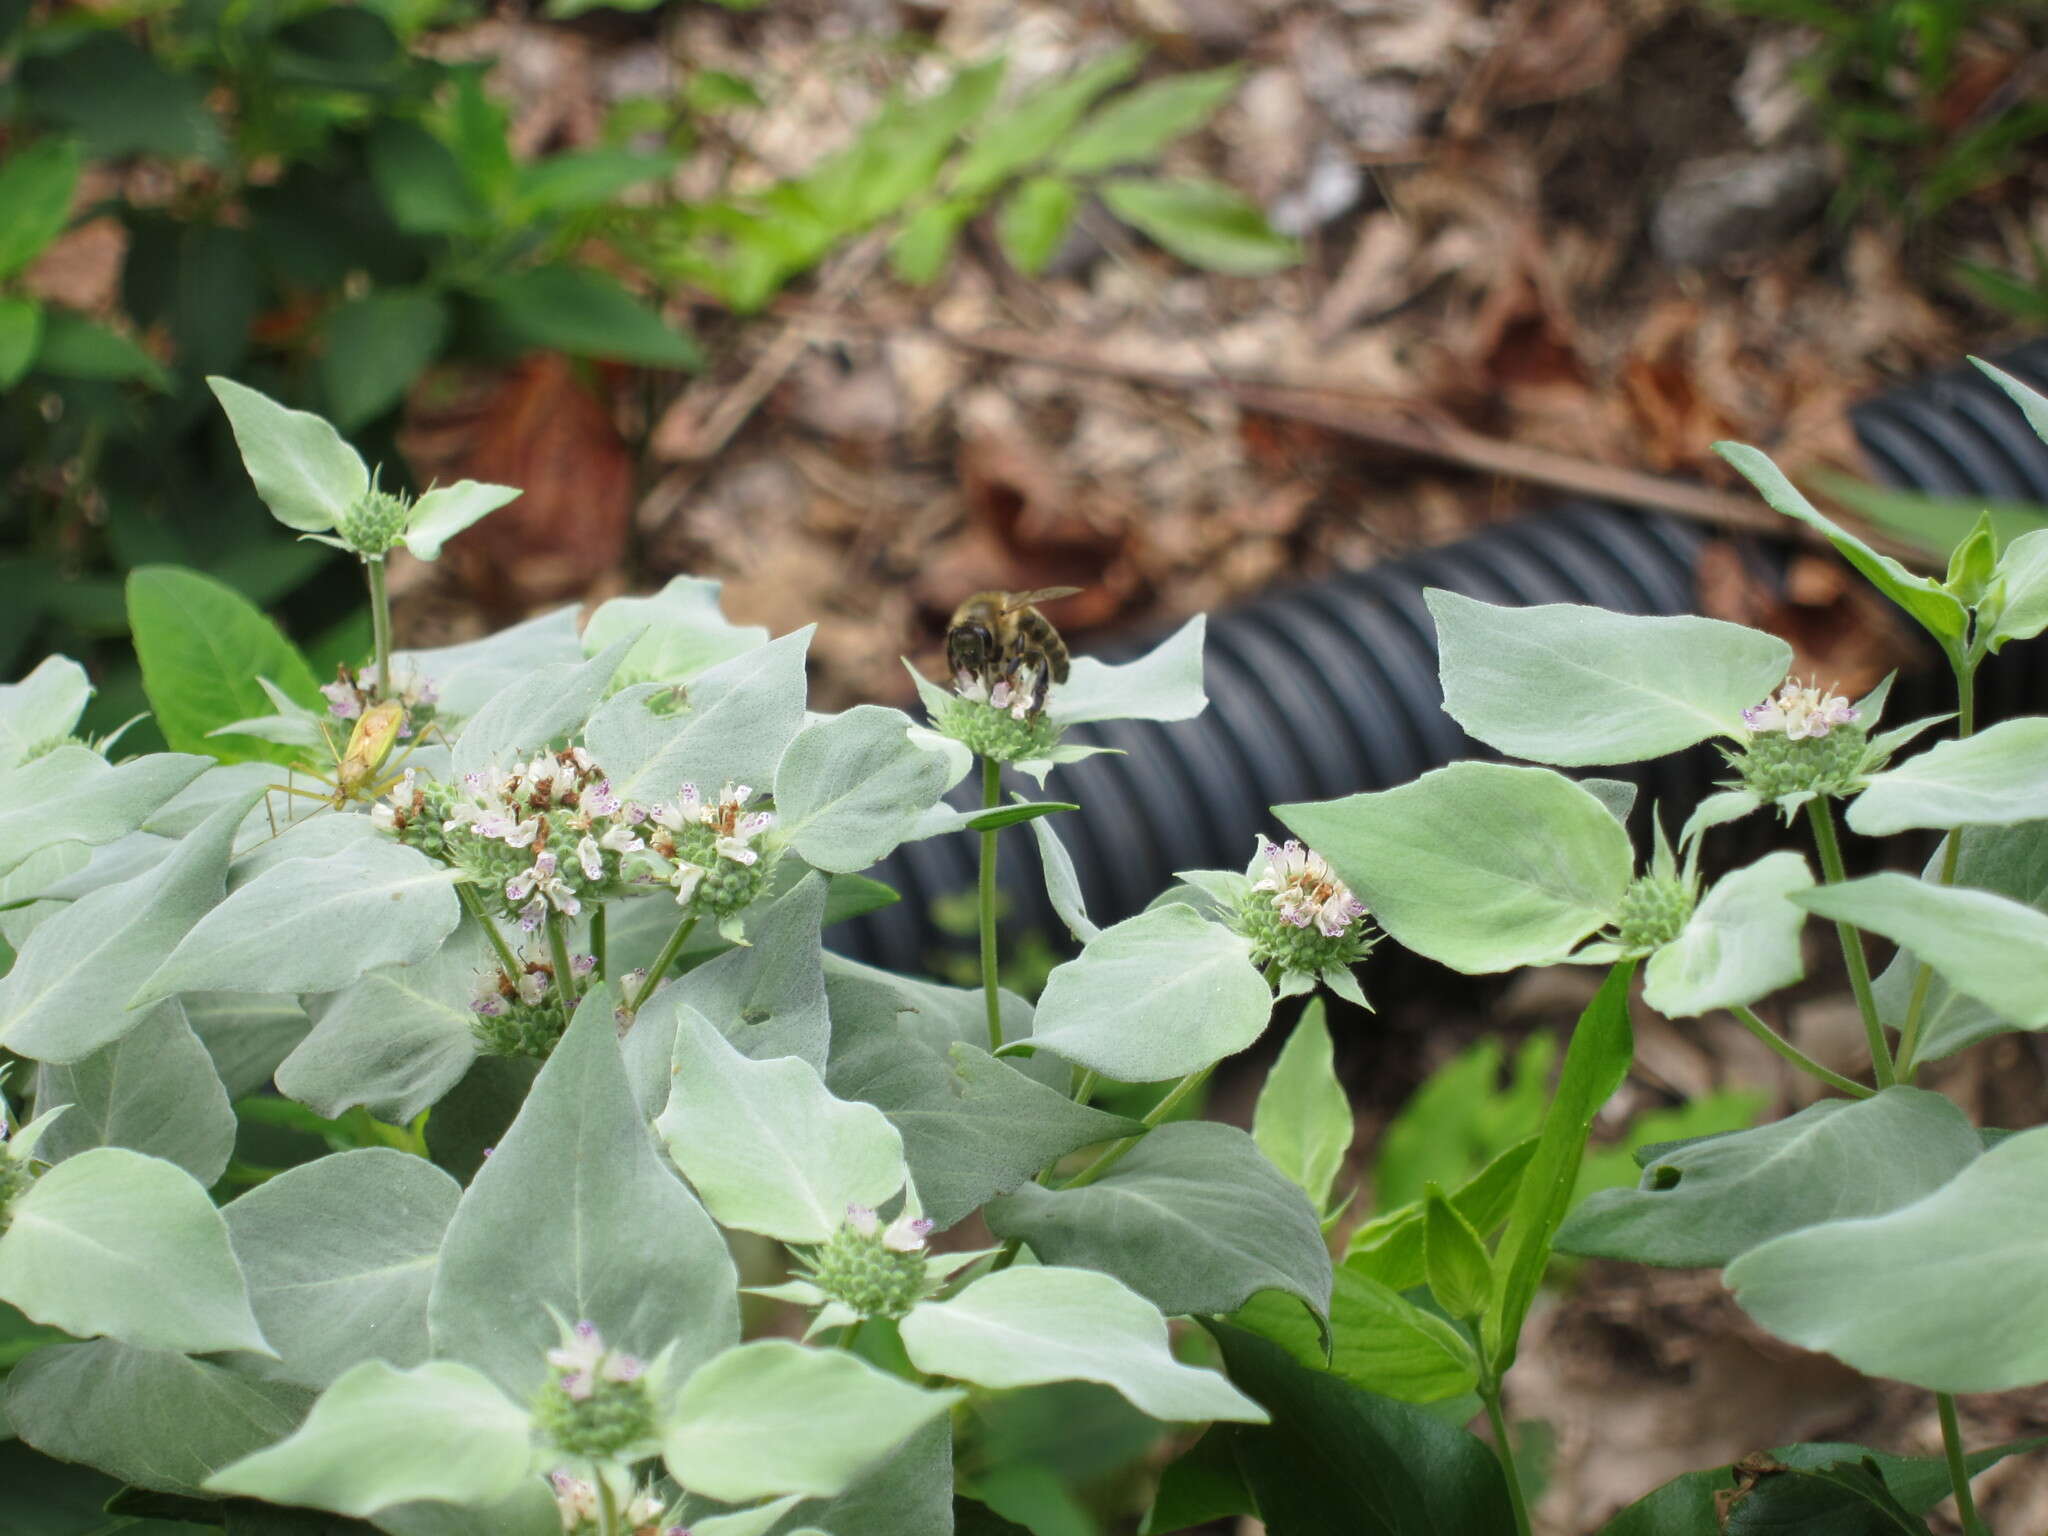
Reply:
x=608, y=1521
x=1923, y=978
x=469, y=898
x=1085, y=1085
x=1958, y=1468
x=380, y=625
x=850, y=1333
x=565, y=973
x=599, y=935
x=1505, y=1450
x=1114, y=1153
x=1805, y=1063
x=1852, y=942
x=991, y=990
x=663, y=961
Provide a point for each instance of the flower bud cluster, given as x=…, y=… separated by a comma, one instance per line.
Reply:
x=353, y=692
x=1300, y=914
x=15, y=1173
x=1653, y=911
x=596, y=1403
x=375, y=523
x=576, y=1500
x=523, y=1015
x=872, y=1270
x=1802, y=741
x=997, y=721
x=710, y=845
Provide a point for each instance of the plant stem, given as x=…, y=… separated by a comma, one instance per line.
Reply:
x=1805, y=1063
x=608, y=1521
x=663, y=961
x=1489, y=1391
x=1085, y=1085
x=1923, y=979
x=850, y=1333
x=598, y=938
x=1958, y=1468
x=469, y=898
x=991, y=991
x=380, y=626
x=1823, y=820
x=565, y=972
x=1114, y=1153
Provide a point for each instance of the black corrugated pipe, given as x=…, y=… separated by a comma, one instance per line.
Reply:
x=1327, y=688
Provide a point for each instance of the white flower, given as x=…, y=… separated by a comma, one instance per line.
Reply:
x=344, y=701
x=486, y=999
x=533, y=987
x=907, y=1233
x=1306, y=890
x=863, y=1220
x=1802, y=712
x=584, y=1361
x=621, y=838
x=575, y=1500
x=686, y=879
x=590, y=858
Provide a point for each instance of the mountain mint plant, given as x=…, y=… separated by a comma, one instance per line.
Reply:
x=614, y=1201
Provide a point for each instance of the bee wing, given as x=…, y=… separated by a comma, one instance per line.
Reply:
x=1014, y=601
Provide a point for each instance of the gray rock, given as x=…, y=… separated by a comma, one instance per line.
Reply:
x=1729, y=203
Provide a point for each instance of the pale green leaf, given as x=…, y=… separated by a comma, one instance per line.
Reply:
x=41, y=710
x=1986, y=946
x=2022, y=582
x=246, y=1033
x=1481, y=866
x=1163, y=684
x=1062, y=884
x=1572, y=685
x=850, y=788
x=766, y=1146
x=542, y=708
x=1193, y=1219
x=152, y=1091
x=380, y=1436
x=1156, y=996
x=1029, y=1325
x=305, y=473
x=1995, y=778
x=1302, y=1120
x=772, y=1418
x=2032, y=403
x=442, y=513
x=1378, y=1339
x=1741, y=942
x=73, y=795
x=680, y=630
x=575, y=1210
x=1455, y=1261
x=468, y=675
x=113, y=1242
x=1704, y=1203
x=1948, y=1293
x=315, y=925
x=340, y=1254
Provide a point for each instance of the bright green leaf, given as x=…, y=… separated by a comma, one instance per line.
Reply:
x=1302, y=1120
x=586, y=313
x=21, y=334
x=1139, y=124
x=1459, y=1270
x=36, y=185
x=376, y=345
x=1378, y=1339
x=1204, y=223
x=1029, y=131
x=73, y=347
x=919, y=250
x=1033, y=222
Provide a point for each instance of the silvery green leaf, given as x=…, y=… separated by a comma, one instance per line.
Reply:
x=757, y=1521
x=315, y=925
x=575, y=1210
x=73, y=795
x=380, y=1436
x=680, y=631
x=544, y=706
x=291, y=723
x=732, y=725
x=866, y=1002
x=772, y=1418
x=1194, y=1219
x=1340, y=980
x=469, y=675
x=1560, y=683
x=1741, y=942
x=1935, y=608
x=2022, y=582
x=1618, y=795
x=1704, y=1203
x=1986, y=946
x=1062, y=885
x=1302, y=1121
x=33, y=891
x=2032, y=403
x=154, y=1091
x=766, y=1146
x=2009, y=861
x=91, y=869
x=1886, y=743
x=117, y=1243
x=1156, y=996
x=529, y=1511
x=321, y=835
x=850, y=788
x=1994, y=778
x=153, y=1418
x=1029, y=1325
x=305, y=473
x=908, y=1493
x=68, y=994
x=1221, y=891
x=41, y=709
x=220, y=784
x=444, y=512
x=1163, y=684
x=1481, y=866
x=973, y=1127
x=395, y=1040
x=1882, y=1293
x=1036, y=768
x=246, y=1033
x=340, y=1254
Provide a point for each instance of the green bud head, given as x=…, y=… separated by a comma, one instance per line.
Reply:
x=1653, y=910
x=375, y=523
x=1774, y=765
x=996, y=734
x=859, y=1270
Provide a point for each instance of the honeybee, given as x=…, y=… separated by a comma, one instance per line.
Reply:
x=999, y=637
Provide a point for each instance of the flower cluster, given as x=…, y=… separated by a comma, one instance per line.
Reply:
x=523, y=1015
x=353, y=692
x=1299, y=915
x=1004, y=721
x=1653, y=912
x=597, y=1402
x=576, y=1500
x=710, y=845
x=15, y=1174
x=870, y=1269
x=1803, y=741
x=545, y=837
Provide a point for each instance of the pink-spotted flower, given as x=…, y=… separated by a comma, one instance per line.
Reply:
x=1801, y=712
x=581, y=1362
x=1306, y=890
